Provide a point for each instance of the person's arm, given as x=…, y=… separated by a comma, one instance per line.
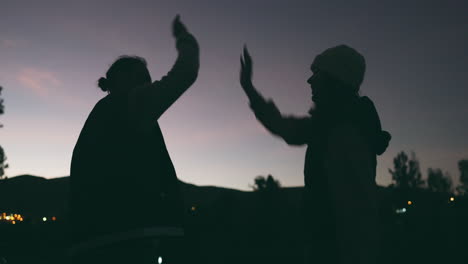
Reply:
x=293, y=130
x=156, y=98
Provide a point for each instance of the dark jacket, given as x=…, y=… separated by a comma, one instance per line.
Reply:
x=339, y=172
x=122, y=177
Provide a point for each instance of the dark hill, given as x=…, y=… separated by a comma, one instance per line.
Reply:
x=244, y=226
x=37, y=196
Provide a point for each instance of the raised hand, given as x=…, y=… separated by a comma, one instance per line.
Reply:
x=246, y=70
x=265, y=111
x=183, y=36
x=178, y=28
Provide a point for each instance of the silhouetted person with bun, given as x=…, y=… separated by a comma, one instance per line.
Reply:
x=123, y=183
x=343, y=134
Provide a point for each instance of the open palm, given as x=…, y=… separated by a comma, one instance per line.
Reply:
x=246, y=70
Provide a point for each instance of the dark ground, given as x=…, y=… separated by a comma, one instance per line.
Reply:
x=230, y=226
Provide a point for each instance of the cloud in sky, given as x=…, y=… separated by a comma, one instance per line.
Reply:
x=8, y=43
x=40, y=82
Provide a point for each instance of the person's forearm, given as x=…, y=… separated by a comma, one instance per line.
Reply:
x=185, y=70
x=265, y=112
x=254, y=96
x=162, y=94
x=293, y=130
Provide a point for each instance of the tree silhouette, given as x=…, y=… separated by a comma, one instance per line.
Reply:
x=406, y=173
x=3, y=164
x=463, y=167
x=262, y=184
x=437, y=181
x=2, y=107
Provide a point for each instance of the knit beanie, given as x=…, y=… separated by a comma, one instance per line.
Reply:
x=343, y=63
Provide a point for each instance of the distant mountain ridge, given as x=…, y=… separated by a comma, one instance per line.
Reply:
x=36, y=196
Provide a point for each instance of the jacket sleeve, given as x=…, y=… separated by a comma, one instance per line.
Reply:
x=293, y=130
x=153, y=100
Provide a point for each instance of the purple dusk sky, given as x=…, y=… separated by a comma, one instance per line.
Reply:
x=53, y=52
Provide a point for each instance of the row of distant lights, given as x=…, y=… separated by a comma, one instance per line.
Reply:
x=12, y=218
x=15, y=218
x=403, y=210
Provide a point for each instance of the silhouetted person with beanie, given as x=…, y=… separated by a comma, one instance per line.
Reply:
x=123, y=182
x=343, y=135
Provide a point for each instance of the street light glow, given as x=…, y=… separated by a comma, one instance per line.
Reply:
x=401, y=211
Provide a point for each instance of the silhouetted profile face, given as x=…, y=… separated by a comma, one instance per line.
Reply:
x=126, y=72
x=337, y=75
x=317, y=84
x=325, y=89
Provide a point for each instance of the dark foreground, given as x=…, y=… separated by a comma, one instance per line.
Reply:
x=230, y=226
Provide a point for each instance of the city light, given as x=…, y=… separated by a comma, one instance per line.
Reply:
x=16, y=218
x=401, y=211
x=410, y=202
x=11, y=218
x=452, y=199
x=159, y=260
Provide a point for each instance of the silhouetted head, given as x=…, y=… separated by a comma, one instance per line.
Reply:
x=124, y=74
x=337, y=75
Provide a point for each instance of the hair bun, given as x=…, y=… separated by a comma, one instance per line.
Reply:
x=103, y=83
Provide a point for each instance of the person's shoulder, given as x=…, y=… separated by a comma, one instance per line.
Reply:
x=103, y=101
x=100, y=106
x=112, y=100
